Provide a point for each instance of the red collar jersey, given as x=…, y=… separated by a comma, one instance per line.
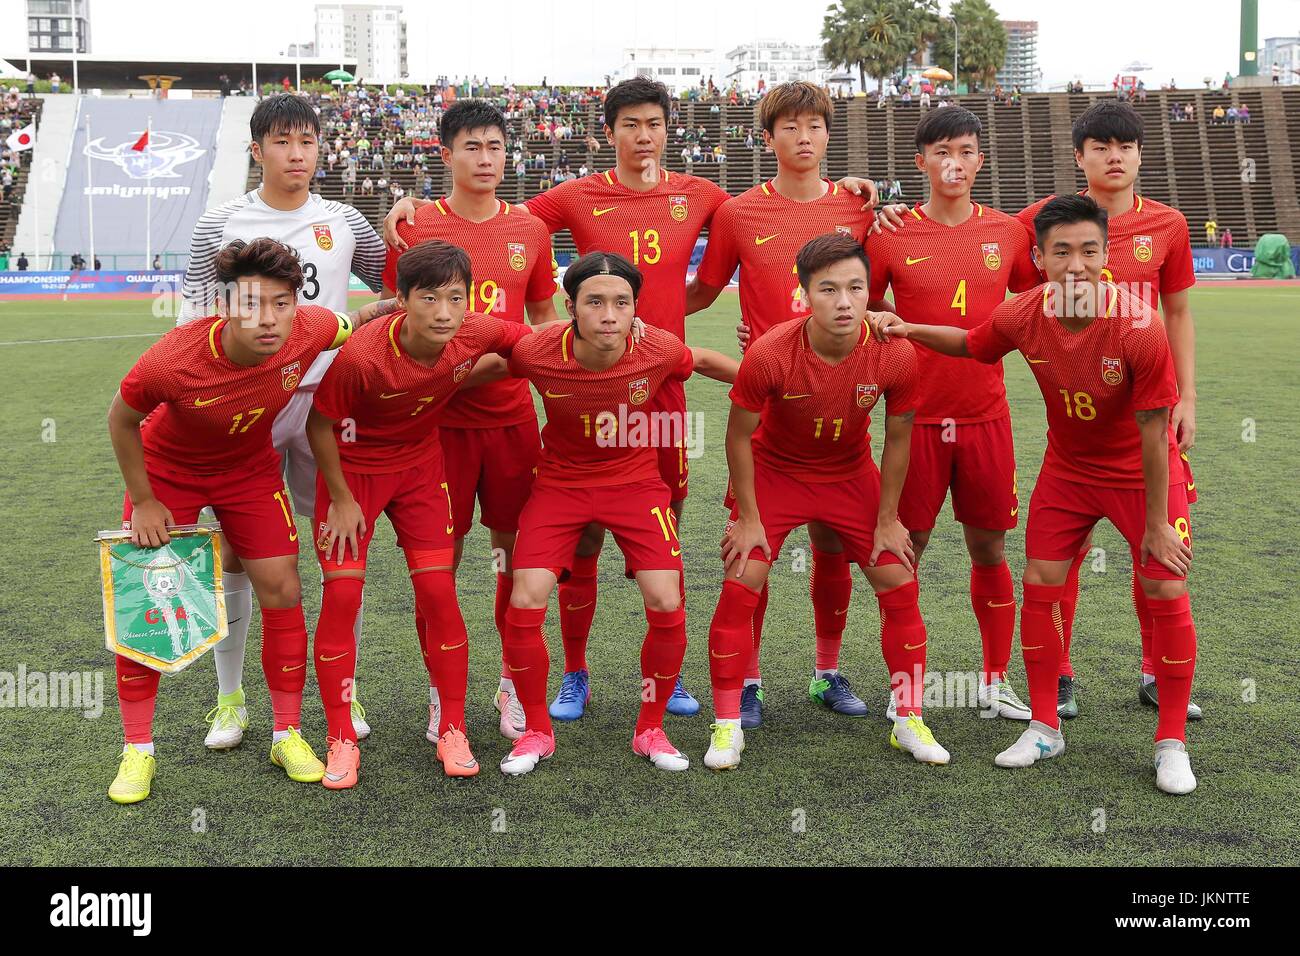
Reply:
x=1150, y=250
x=386, y=406
x=816, y=416
x=208, y=415
x=510, y=256
x=1093, y=381
x=953, y=275
x=762, y=231
x=656, y=230
x=600, y=429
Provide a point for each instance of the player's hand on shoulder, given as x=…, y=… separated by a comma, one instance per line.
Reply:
x=638, y=329
x=889, y=217
x=861, y=187
x=345, y=526
x=886, y=325
x=739, y=540
x=1165, y=545
x=404, y=208
x=891, y=536
x=149, y=523
x=742, y=336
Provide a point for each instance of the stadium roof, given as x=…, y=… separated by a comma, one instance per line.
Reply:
x=117, y=73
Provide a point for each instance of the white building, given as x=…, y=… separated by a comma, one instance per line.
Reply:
x=1285, y=52
x=677, y=68
x=374, y=35
x=776, y=61
x=1020, y=65
x=52, y=25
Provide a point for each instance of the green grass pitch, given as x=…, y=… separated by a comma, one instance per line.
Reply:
x=813, y=786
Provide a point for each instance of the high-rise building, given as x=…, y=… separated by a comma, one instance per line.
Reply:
x=776, y=61
x=375, y=36
x=1284, y=53
x=1020, y=66
x=52, y=25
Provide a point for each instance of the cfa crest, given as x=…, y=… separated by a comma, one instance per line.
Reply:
x=518, y=258
x=677, y=208
x=846, y=230
x=163, y=578
x=462, y=370
x=1142, y=248
x=992, y=255
x=323, y=237
x=158, y=160
x=322, y=537
x=867, y=395
x=1111, y=371
x=290, y=376
x=638, y=391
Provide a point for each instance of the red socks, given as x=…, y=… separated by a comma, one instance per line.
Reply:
x=1041, y=633
x=284, y=661
x=993, y=598
x=902, y=641
x=831, y=588
x=1145, y=625
x=1174, y=646
x=661, y=661
x=336, y=653
x=1069, y=602
x=529, y=664
x=577, y=597
x=445, y=643
x=730, y=647
x=505, y=588
x=752, y=672
x=137, y=693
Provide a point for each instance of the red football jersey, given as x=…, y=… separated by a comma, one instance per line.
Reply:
x=953, y=275
x=510, y=255
x=1150, y=249
x=1093, y=381
x=208, y=415
x=816, y=417
x=656, y=230
x=762, y=232
x=599, y=430
x=386, y=406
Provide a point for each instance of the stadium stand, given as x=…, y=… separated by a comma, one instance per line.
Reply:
x=14, y=114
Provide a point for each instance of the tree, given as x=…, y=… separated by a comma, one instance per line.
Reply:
x=982, y=42
x=877, y=36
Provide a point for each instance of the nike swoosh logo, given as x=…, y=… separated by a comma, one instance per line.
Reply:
x=235, y=621
x=1036, y=647
x=1007, y=604
x=137, y=677
x=394, y=395
x=516, y=670
x=1168, y=661
x=759, y=240
x=1038, y=361
x=659, y=676
x=914, y=647
x=911, y=262
x=681, y=482
x=842, y=613
x=724, y=656
x=601, y=212
x=549, y=394
x=334, y=658
x=200, y=403
x=286, y=668
x=676, y=552
x=789, y=397
x=454, y=646
x=578, y=607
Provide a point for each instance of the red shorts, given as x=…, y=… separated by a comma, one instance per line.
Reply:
x=1191, y=482
x=1063, y=512
x=255, y=512
x=977, y=461
x=638, y=514
x=674, y=468
x=416, y=500
x=847, y=507
x=496, y=465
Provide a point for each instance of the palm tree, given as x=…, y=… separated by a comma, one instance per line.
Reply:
x=876, y=36
x=983, y=42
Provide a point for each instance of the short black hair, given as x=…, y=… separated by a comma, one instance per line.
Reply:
x=432, y=265
x=947, y=123
x=824, y=251
x=600, y=263
x=634, y=92
x=469, y=114
x=238, y=259
x=282, y=113
x=1066, y=210
x=1107, y=120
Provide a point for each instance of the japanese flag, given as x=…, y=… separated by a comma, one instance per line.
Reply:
x=24, y=138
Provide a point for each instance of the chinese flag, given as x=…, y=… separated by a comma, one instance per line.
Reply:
x=142, y=142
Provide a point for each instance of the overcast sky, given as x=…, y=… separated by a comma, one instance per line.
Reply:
x=579, y=41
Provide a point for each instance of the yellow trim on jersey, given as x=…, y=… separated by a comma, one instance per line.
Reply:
x=505, y=207
x=835, y=189
x=345, y=330
x=914, y=213
x=667, y=174
x=608, y=178
x=438, y=203
x=979, y=210
x=766, y=191
x=1113, y=292
x=564, y=343
x=392, y=328
x=1139, y=204
x=212, y=337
